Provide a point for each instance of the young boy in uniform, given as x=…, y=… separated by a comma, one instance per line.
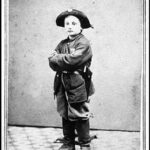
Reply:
x=72, y=85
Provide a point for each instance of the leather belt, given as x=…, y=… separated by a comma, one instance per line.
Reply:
x=73, y=72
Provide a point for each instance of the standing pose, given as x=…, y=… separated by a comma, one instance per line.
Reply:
x=72, y=84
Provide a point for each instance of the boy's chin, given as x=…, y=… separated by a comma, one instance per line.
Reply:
x=73, y=35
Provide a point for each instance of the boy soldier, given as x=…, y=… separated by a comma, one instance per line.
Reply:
x=72, y=84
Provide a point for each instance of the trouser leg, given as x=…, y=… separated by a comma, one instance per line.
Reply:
x=82, y=127
x=68, y=131
x=69, y=135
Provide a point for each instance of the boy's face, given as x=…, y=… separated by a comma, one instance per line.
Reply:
x=72, y=25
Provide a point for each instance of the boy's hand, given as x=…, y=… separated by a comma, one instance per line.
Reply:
x=52, y=54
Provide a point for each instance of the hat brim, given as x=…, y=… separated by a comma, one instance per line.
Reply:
x=85, y=23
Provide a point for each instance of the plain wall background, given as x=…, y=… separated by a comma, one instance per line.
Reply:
x=117, y=43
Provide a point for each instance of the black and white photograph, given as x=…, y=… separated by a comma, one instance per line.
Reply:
x=75, y=75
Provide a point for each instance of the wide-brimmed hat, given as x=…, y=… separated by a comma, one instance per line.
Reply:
x=85, y=23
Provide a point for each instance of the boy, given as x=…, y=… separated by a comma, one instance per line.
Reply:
x=72, y=85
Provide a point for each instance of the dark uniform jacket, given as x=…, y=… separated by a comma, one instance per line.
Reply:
x=70, y=62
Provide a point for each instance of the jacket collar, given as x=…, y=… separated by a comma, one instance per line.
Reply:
x=76, y=37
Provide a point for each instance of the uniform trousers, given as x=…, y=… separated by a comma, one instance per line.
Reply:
x=82, y=129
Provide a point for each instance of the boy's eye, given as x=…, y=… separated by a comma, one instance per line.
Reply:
x=67, y=23
x=73, y=23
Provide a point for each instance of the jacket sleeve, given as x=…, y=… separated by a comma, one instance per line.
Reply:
x=76, y=59
x=53, y=65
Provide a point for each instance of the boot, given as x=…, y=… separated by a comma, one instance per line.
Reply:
x=69, y=135
x=83, y=127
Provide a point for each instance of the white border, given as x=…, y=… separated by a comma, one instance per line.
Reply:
x=4, y=69
x=2, y=77
x=147, y=75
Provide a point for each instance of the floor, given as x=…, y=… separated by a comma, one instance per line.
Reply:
x=33, y=138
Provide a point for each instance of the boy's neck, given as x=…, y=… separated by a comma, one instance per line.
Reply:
x=74, y=36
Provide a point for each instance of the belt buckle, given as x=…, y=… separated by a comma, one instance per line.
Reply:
x=76, y=72
x=65, y=72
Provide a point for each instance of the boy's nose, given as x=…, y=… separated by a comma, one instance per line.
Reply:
x=70, y=26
